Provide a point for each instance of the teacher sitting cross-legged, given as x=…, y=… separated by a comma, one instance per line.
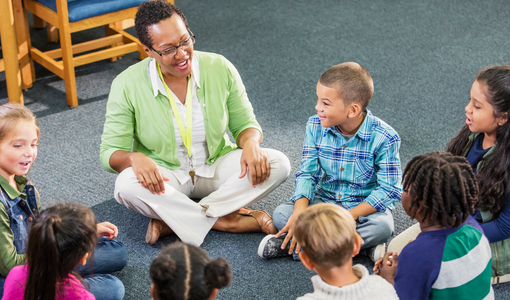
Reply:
x=166, y=134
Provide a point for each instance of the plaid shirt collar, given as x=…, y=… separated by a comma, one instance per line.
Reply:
x=364, y=132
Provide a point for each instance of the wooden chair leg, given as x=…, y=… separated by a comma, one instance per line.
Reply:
x=10, y=52
x=38, y=22
x=69, y=74
x=24, y=44
x=108, y=31
x=52, y=33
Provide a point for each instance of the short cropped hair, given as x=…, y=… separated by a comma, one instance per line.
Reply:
x=326, y=234
x=150, y=13
x=351, y=81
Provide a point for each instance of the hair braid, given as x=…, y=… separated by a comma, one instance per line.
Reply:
x=443, y=185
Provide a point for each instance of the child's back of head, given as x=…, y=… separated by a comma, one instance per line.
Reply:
x=441, y=187
x=183, y=271
x=328, y=239
x=326, y=234
x=60, y=238
x=352, y=82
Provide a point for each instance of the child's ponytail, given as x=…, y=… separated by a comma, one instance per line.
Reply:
x=57, y=242
x=217, y=273
x=42, y=254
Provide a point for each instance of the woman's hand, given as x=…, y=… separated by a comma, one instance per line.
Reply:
x=255, y=160
x=148, y=173
x=107, y=229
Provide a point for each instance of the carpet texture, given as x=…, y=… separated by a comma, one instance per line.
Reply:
x=422, y=55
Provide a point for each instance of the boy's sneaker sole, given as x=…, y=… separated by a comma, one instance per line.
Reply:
x=270, y=247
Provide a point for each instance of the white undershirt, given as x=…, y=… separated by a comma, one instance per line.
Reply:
x=198, y=139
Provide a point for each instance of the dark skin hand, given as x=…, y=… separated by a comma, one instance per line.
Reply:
x=151, y=178
x=386, y=266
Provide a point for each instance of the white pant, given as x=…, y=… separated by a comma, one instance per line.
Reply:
x=221, y=195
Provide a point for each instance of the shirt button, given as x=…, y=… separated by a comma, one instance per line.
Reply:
x=203, y=105
x=210, y=147
x=342, y=181
x=212, y=160
x=30, y=219
x=345, y=146
x=341, y=169
x=21, y=217
x=339, y=196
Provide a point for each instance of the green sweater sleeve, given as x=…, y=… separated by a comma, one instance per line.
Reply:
x=8, y=256
x=119, y=124
x=240, y=110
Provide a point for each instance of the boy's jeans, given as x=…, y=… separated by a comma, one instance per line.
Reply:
x=374, y=229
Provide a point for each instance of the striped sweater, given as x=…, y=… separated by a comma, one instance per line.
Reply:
x=453, y=263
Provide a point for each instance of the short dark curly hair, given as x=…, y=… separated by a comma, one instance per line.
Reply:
x=152, y=12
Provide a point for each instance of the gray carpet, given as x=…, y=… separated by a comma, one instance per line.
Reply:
x=422, y=56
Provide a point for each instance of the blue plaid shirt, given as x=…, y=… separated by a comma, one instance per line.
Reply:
x=364, y=169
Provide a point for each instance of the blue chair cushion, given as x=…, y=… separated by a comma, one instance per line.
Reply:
x=83, y=9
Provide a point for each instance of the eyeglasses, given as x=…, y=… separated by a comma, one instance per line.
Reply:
x=170, y=52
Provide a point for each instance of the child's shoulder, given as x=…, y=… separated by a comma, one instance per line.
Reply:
x=377, y=126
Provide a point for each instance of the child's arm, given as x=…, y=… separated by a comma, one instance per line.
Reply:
x=362, y=210
x=389, y=177
x=306, y=180
x=9, y=258
x=310, y=171
x=299, y=207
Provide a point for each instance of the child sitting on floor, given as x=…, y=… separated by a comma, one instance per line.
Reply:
x=183, y=271
x=20, y=206
x=63, y=237
x=485, y=142
x=328, y=239
x=350, y=158
x=450, y=258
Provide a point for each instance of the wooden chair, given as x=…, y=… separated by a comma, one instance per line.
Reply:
x=70, y=16
x=16, y=62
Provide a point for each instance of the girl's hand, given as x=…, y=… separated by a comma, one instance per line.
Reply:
x=107, y=229
x=148, y=173
x=388, y=266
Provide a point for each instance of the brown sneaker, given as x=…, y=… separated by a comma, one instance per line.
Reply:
x=263, y=218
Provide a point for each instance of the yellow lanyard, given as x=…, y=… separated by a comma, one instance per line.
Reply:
x=185, y=132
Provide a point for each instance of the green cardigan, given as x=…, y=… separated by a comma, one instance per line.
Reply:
x=139, y=122
x=500, y=250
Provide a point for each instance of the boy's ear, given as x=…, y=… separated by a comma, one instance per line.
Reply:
x=358, y=241
x=354, y=110
x=153, y=292
x=306, y=261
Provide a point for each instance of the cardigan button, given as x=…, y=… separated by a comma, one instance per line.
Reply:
x=341, y=169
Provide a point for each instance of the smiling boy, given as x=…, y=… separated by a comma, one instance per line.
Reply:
x=350, y=158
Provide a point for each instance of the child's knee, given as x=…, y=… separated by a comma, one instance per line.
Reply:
x=282, y=214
